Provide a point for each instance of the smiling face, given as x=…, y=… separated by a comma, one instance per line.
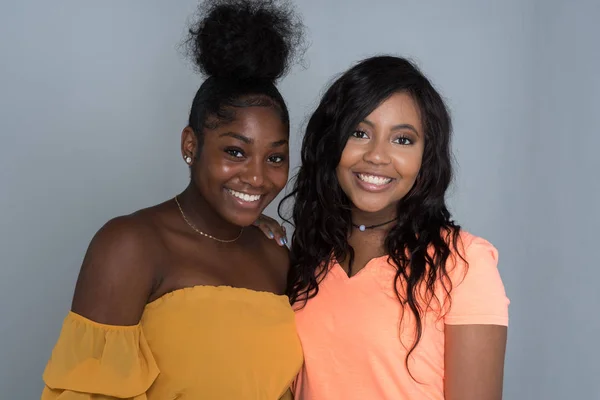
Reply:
x=382, y=158
x=243, y=165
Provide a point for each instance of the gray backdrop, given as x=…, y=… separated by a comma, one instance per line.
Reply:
x=93, y=96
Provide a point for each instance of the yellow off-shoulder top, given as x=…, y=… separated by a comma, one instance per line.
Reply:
x=203, y=342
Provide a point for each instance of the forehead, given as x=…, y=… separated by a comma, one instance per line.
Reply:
x=260, y=123
x=396, y=109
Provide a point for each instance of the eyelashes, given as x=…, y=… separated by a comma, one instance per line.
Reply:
x=234, y=152
x=238, y=155
x=360, y=134
x=277, y=159
x=401, y=140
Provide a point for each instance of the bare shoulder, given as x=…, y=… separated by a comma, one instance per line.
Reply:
x=125, y=234
x=118, y=271
x=278, y=257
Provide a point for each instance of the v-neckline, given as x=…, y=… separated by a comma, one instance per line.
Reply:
x=368, y=265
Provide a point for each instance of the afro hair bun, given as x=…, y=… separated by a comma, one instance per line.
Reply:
x=245, y=39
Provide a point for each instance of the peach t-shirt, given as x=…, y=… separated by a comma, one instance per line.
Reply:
x=355, y=347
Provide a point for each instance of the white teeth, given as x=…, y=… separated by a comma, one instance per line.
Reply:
x=375, y=180
x=244, y=196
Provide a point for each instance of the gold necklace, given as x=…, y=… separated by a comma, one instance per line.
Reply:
x=202, y=233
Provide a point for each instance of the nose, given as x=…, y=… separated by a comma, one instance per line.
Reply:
x=253, y=175
x=377, y=153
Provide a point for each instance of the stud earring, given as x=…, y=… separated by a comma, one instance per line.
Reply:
x=188, y=159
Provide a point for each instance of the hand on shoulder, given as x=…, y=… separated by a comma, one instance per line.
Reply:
x=272, y=229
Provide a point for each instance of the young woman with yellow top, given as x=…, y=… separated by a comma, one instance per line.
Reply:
x=394, y=300
x=185, y=299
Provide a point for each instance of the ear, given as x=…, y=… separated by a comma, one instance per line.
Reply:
x=189, y=145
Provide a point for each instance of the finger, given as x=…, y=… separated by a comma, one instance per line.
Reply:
x=273, y=225
x=273, y=230
x=265, y=229
x=280, y=238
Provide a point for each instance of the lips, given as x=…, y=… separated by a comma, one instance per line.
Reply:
x=373, y=183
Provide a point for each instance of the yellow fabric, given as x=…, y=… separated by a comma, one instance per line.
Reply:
x=204, y=342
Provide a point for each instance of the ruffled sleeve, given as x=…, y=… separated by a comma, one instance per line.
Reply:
x=92, y=360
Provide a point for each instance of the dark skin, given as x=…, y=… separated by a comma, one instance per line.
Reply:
x=386, y=151
x=138, y=258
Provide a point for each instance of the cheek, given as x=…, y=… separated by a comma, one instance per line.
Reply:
x=350, y=156
x=408, y=165
x=213, y=169
x=341, y=174
x=279, y=177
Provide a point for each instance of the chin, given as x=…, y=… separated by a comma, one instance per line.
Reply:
x=244, y=220
x=372, y=205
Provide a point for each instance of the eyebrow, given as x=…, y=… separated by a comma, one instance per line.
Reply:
x=395, y=127
x=247, y=140
x=237, y=136
x=279, y=143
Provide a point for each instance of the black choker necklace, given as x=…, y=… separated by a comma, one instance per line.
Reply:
x=363, y=228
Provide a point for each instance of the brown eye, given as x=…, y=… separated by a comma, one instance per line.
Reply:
x=360, y=134
x=234, y=152
x=276, y=159
x=403, y=140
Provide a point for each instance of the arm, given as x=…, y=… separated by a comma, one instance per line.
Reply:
x=476, y=326
x=101, y=351
x=474, y=362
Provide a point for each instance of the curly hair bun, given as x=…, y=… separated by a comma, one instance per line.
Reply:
x=245, y=39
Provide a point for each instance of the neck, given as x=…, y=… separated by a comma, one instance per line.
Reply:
x=371, y=238
x=199, y=212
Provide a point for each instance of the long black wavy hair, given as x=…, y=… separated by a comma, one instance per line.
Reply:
x=424, y=236
x=243, y=47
